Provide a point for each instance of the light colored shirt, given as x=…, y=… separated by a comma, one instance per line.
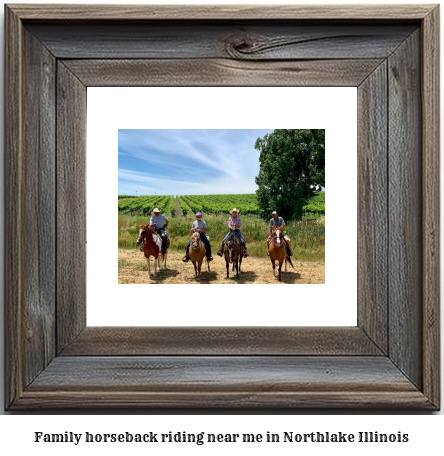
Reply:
x=158, y=220
x=234, y=221
x=278, y=222
x=201, y=225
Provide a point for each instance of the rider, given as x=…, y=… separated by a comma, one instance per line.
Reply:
x=234, y=223
x=159, y=222
x=278, y=221
x=201, y=227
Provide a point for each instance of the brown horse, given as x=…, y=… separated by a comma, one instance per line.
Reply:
x=152, y=247
x=276, y=249
x=197, y=253
x=232, y=253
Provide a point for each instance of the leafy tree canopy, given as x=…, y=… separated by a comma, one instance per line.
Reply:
x=292, y=169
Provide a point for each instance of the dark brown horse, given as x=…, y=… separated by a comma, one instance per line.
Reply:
x=277, y=251
x=152, y=247
x=232, y=253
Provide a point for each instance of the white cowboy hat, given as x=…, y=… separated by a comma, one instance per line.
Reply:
x=155, y=210
x=274, y=212
x=234, y=210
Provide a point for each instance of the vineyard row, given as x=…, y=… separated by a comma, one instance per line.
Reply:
x=211, y=204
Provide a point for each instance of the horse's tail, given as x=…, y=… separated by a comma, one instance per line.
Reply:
x=289, y=260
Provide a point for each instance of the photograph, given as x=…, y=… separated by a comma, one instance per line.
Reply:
x=221, y=206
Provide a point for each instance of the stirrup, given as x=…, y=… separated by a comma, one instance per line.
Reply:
x=185, y=259
x=210, y=258
x=245, y=253
x=220, y=252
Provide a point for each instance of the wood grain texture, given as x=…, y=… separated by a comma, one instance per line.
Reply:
x=431, y=207
x=238, y=40
x=372, y=207
x=405, y=209
x=220, y=12
x=221, y=72
x=127, y=341
x=232, y=382
x=245, y=401
x=89, y=374
x=38, y=222
x=13, y=209
x=71, y=206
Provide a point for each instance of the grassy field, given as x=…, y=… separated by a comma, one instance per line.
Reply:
x=307, y=236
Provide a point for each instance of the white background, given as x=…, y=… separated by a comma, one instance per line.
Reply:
x=15, y=430
x=330, y=304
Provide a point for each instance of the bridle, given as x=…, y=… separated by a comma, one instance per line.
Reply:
x=144, y=233
x=231, y=243
x=195, y=242
x=276, y=237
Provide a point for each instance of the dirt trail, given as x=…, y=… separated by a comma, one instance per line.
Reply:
x=133, y=269
x=177, y=211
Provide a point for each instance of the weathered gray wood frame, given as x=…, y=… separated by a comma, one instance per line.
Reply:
x=390, y=360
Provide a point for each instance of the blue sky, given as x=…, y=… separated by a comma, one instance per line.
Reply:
x=187, y=162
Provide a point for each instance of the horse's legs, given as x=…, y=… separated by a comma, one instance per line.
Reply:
x=165, y=258
x=195, y=269
x=280, y=269
x=240, y=263
x=274, y=267
x=228, y=268
x=156, y=263
x=148, y=261
x=237, y=269
x=285, y=264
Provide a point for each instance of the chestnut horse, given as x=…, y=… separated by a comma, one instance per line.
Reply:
x=197, y=253
x=232, y=253
x=277, y=251
x=152, y=247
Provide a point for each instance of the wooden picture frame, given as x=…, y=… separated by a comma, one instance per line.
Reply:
x=390, y=360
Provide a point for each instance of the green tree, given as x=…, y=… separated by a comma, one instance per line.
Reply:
x=292, y=169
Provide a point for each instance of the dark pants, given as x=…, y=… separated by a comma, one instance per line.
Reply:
x=163, y=236
x=205, y=241
x=239, y=235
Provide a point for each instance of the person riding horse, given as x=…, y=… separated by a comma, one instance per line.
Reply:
x=159, y=222
x=234, y=223
x=199, y=226
x=278, y=221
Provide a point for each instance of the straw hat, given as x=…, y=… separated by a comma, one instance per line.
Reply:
x=234, y=210
x=155, y=210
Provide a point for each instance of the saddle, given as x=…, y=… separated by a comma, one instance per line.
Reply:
x=166, y=233
x=233, y=237
x=164, y=246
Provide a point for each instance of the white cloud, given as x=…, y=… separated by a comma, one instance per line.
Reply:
x=208, y=161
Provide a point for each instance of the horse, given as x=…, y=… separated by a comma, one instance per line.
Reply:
x=232, y=253
x=277, y=251
x=152, y=247
x=197, y=253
